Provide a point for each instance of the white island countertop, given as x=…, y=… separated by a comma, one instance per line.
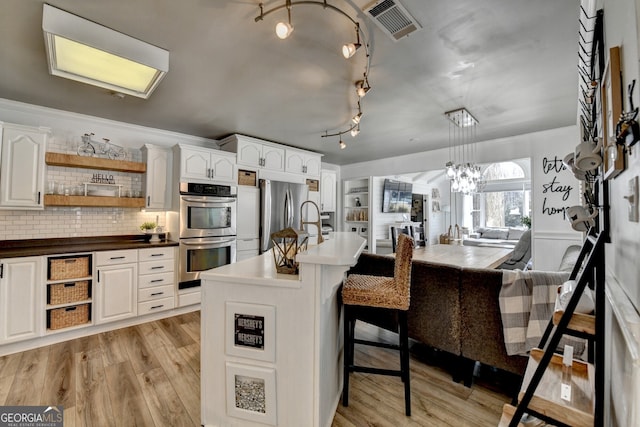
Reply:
x=343, y=248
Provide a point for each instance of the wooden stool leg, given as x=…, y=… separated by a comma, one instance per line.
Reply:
x=404, y=360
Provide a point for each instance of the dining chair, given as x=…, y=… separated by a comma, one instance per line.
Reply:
x=364, y=292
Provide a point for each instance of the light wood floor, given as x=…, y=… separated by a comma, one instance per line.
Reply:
x=149, y=375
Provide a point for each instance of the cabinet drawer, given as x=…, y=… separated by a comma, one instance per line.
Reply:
x=116, y=257
x=158, y=279
x=154, y=293
x=246, y=244
x=155, y=254
x=189, y=298
x=155, y=305
x=159, y=266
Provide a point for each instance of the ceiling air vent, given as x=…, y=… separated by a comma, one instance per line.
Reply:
x=392, y=18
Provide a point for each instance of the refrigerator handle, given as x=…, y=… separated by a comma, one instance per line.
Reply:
x=265, y=209
x=291, y=210
x=287, y=208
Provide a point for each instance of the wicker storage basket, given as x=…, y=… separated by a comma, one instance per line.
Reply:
x=69, y=268
x=246, y=178
x=68, y=316
x=65, y=293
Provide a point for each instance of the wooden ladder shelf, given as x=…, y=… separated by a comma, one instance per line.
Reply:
x=540, y=392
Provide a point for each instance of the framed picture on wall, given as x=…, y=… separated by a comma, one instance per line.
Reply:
x=435, y=206
x=614, y=160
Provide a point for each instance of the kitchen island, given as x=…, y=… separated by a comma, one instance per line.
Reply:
x=272, y=343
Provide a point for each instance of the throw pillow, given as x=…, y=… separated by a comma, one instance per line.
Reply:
x=515, y=233
x=495, y=233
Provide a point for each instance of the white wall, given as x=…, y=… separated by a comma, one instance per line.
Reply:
x=623, y=254
x=551, y=233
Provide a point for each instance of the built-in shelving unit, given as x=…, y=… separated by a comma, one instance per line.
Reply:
x=356, y=213
x=69, y=292
x=75, y=161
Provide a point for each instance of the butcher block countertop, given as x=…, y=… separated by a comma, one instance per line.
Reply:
x=37, y=247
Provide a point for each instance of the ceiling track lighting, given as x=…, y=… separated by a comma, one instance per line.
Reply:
x=354, y=130
x=284, y=30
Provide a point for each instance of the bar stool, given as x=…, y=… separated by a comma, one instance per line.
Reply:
x=364, y=292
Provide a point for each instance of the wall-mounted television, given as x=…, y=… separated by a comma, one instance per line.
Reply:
x=396, y=196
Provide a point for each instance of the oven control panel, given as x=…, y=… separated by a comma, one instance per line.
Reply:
x=199, y=189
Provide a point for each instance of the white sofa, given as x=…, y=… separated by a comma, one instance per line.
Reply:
x=500, y=237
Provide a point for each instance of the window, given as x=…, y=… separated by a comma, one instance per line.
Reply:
x=505, y=198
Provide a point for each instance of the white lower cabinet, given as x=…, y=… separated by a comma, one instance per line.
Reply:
x=20, y=299
x=156, y=280
x=116, y=286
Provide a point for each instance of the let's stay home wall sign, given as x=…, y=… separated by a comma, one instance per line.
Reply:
x=556, y=193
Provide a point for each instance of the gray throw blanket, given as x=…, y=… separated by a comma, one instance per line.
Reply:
x=527, y=300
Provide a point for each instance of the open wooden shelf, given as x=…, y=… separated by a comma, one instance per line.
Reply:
x=579, y=322
x=93, y=201
x=546, y=400
x=75, y=161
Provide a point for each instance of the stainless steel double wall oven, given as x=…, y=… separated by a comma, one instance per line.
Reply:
x=207, y=229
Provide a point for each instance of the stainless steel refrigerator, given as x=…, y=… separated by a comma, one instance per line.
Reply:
x=279, y=208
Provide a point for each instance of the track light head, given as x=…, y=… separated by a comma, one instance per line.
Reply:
x=342, y=144
x=356, y=118
x=283, y=30
x=362, y=87
x=349, y=49
x=355, y=130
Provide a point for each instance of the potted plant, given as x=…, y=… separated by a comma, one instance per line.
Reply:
x=526, y=221
x=148, y=227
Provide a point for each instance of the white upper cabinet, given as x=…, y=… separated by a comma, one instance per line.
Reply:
x=22, y=172
x=255, y=153
x=206, y=165
x=303, y=162
x=157, y=179
x=328, y=183
x=224, y=167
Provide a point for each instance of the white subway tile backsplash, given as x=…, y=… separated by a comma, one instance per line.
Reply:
x=55, y=222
